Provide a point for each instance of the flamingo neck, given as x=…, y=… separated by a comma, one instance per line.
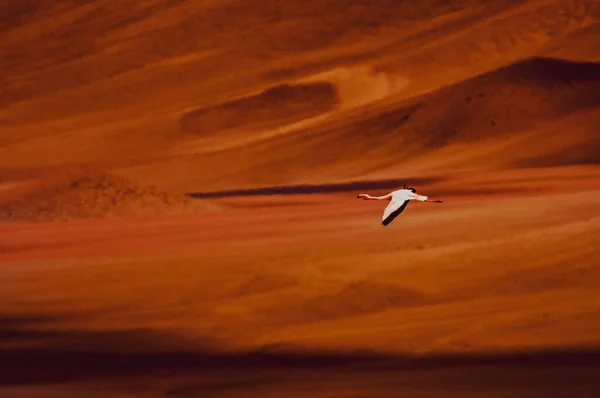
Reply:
x=369, y=197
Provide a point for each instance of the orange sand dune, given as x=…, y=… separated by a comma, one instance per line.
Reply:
x=277, y=105
x=553, y=103
x=86, y=195
x=73, y=95
x=270, y=278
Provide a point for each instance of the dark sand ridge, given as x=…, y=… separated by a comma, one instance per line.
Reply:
x=519, y=105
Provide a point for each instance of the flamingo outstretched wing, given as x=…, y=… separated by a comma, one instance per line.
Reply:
x=392, y=210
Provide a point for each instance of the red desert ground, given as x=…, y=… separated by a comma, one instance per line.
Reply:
x=179, y=213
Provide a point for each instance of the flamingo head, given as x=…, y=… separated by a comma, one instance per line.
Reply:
x=409, y=188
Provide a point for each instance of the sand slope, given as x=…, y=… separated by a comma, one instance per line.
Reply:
x=272, y=107
x=486, y=121
x=116, y=97
x=89, y=195
x=277, y=113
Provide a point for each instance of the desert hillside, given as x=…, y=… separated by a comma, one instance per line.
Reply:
x=87, y=195
x=96, y=83
x=179, y=212
x=277, y=105
x=490, y=120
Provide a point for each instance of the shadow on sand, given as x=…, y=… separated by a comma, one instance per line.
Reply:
x=390, y=184
x=31, y=354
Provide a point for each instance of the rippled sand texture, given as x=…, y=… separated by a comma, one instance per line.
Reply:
x=178, y=212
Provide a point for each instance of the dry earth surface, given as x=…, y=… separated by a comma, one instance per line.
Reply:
x=178, y=213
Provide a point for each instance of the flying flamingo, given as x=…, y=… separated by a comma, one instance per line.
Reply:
x=398, y=201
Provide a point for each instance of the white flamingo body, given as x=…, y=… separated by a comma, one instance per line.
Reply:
x=398, y=201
